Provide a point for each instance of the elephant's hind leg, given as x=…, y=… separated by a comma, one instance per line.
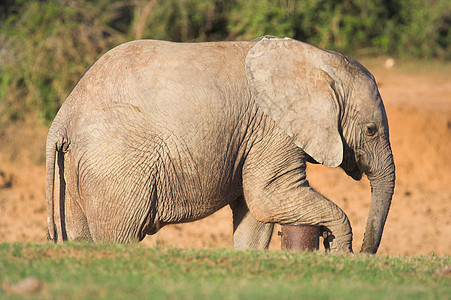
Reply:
x=76, y=222
x=119, y=220
x=248, y=233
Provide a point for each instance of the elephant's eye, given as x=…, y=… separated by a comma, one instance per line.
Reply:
x=370, y=129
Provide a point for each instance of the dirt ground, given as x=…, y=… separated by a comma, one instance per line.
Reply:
x=418, y=103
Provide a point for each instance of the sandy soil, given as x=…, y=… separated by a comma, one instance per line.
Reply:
x=418, y=102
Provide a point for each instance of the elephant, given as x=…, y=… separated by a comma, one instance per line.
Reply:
x=159, y=133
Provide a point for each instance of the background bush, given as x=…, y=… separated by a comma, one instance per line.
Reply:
x=46, y=46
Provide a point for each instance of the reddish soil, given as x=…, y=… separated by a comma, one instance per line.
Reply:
x=418, y=103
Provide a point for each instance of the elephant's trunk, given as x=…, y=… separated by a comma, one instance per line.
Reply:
x=382, y=187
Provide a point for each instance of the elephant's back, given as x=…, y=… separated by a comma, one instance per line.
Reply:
x=141, y=69
x=160, y=80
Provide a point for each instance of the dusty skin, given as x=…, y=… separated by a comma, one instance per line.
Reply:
x=418, y=103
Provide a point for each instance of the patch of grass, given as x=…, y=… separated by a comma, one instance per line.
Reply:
x=74, y=271
x=409, y=66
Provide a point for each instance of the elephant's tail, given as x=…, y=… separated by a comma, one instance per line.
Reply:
x=57, y=144
x=50, y=187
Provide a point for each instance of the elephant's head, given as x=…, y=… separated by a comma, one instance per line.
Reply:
x=330, y=106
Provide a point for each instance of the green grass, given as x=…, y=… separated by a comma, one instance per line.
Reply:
x=88, y=271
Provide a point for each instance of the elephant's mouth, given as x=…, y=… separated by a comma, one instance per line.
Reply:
x=350, y=166
x=355, y=173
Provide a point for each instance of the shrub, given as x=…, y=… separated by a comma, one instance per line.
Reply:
x=47, y=46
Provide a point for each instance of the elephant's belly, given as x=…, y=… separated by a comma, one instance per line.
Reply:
x=195, y=205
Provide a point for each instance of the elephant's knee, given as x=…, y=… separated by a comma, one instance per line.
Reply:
x=263, y=213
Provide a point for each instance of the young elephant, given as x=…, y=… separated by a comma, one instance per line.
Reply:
x=157, y=133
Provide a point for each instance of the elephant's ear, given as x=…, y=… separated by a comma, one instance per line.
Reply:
x=288, y=82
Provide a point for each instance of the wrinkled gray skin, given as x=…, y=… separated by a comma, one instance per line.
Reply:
x=158, y=133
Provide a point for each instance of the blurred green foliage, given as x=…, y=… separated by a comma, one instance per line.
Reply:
x=46, y=46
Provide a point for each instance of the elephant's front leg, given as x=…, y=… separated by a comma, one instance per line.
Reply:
x=248, y=233
x=276, y=191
